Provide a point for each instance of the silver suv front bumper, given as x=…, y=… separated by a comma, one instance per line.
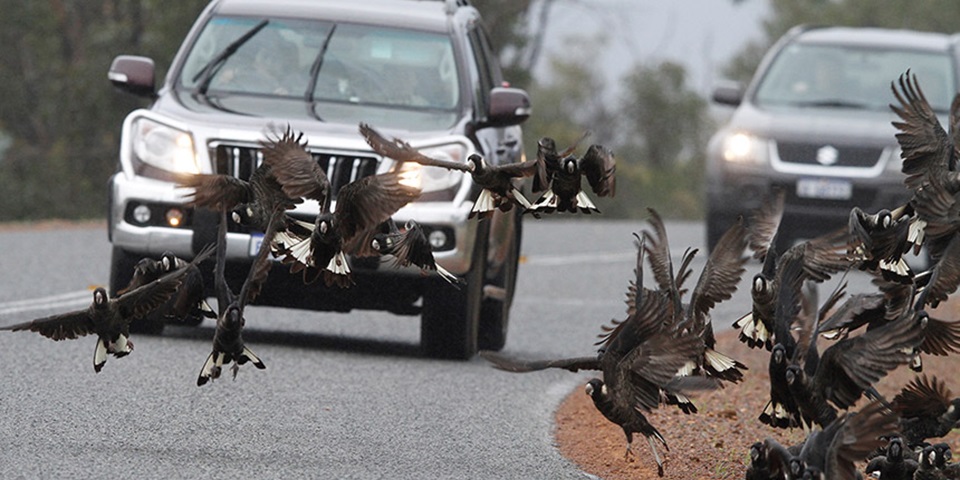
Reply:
x=126, y=192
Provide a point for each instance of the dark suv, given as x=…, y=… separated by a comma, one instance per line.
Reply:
x=419, y=70
x=815, y=122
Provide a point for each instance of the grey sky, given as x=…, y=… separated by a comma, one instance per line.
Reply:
x=700, y=34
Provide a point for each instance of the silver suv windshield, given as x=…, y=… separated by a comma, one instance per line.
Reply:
x=835, y=76
x=342, y=70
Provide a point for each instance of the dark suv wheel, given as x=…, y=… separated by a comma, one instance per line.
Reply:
x=450, y=319
x=498, y=296
x=717, y=224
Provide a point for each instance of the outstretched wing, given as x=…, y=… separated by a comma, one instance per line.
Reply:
x=764, y=224
x=64, y=326
x=506, y=363
x=297, y=172
x=548, y=162
x=852, y=365
x=600, y=168
x=922, y=397
x=518, y=169
x=141, y=301
x=369, y=201
x=926, y=148
x=722, y=273
x=261, y=264
x=401, y=151
x=214, y=191
x=859, y=434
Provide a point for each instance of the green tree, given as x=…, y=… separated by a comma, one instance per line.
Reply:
x=516, y=29
x=55, y=103
x=658, y=129
x=666, y=129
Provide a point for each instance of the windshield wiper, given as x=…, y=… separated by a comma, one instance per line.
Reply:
x=315, y=73
x=833, y=103
x=205, y=75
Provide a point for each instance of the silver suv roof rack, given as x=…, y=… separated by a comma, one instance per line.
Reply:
x=453, y=5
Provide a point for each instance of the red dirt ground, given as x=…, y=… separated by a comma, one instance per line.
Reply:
x=714, y=443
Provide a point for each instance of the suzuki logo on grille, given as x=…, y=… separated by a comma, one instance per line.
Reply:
x=827, y=155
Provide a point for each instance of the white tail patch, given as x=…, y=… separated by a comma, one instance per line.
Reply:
x=204, y=306
x=742, y=322
x=719, y=361
x=762, y=333
x=584, y=202
x=900, y=267
x=302, y=252
x=518, y=195
x=99, y=355
x=211, y=367
x=338, y=264
x=123, y=346
x=206, y=373
x=547, y=201
x=449, y=277
x=770, y=410
x=915, y=234
x=831, y=334
x=283, y=238
x=686, y=370
x=485, y=202
x=254, y=359
x=656, y=456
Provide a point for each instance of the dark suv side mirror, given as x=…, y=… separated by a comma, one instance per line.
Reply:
x=508, y=106
x=133, y=74
x=729, y=93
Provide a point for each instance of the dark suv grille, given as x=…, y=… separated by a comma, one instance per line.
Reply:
x=341, y=169
x=806, y=154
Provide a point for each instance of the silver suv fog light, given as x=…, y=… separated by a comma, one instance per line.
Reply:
x=438, y=238
x=141, y=214
x=174, y=217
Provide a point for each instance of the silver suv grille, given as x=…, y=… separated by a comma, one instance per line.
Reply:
x=845, y=156
x=241, y=161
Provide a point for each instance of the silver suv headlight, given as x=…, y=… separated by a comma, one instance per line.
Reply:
x=745, y=149
x=437, y=184
x=157, y=150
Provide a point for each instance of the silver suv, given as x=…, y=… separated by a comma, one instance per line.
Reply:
x=419, y=70
x=815, y=122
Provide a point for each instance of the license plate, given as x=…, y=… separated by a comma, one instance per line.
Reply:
x=255, y=240
x=824, y=188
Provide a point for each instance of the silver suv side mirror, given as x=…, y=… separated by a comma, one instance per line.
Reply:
x=508, y=106
x=133, y=74
x=728, y=93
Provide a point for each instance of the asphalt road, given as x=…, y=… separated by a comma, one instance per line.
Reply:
x=343, y=395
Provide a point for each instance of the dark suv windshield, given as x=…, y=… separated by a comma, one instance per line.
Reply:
x=852, y=77
x=345, y=71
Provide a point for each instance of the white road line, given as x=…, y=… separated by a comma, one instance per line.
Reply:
x=555, y=260
x=606, y=257
x=62, y=300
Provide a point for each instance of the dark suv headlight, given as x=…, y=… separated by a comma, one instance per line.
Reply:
x=158, y=150
x=745, y=149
